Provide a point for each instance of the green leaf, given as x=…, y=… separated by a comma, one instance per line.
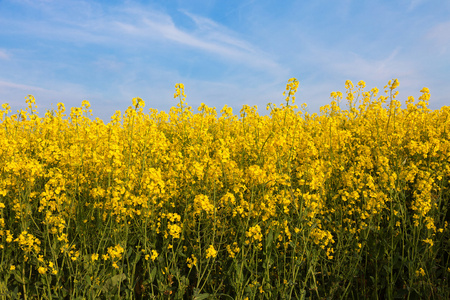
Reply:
x=130, y=250
x=19, y=278
x=138, y=256
x=153, y=274
x=269, y=239
x=302, y=294
x=87, y=278
x=201, y=296
x=115, y=280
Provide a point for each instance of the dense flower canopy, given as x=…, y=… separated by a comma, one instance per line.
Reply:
x=302, y=195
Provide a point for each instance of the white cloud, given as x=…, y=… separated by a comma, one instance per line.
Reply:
x=216, y=32
x=208, y=36
x=439, y=35
x=130, y=24
x=109, y=63
x=413, y=4
x=3, y=54
x=22, y=87
x=342, y=62
x=373, y=69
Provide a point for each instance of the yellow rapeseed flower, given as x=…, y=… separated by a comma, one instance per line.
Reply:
x=191, y=261
x=211, y=252
x=154, y=255
x=420, y=272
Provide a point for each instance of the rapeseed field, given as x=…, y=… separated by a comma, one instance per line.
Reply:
x=349, y=203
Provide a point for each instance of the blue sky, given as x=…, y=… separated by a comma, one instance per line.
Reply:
x=225, y=52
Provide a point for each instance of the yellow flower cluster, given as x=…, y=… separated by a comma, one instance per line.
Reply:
x=154, y=255
x=321, y=237
x=43, y=268
x=283, y=182
x=233, y=251
x=420, y=272
x=28, y=242
x=191, y=261
x=254, y=233
x=211, y=252
x=115, y=254
x=202, y=203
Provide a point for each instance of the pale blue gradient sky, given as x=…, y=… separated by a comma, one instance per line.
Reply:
x=225, y=52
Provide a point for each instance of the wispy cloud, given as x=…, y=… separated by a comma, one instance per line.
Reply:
x=439, y=35
x=22, y=87
x=216, y=32
x=109, y=63
x=128, y=24
x=3, y=54
x=207, y=36
x=355, y=65
x=413, y=4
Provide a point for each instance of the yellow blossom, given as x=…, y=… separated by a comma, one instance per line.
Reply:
x=420, y=272
x=154, y=255
x=191, y=261
x=211, y=252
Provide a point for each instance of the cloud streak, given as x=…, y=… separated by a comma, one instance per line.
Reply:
x=439, y=35
x=208, y=37
x=129, y=21
x=22, y=87
x=3, y=55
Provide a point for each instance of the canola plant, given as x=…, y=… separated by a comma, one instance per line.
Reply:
x=348, y=203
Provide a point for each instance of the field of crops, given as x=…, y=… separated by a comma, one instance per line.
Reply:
x=349, y=203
